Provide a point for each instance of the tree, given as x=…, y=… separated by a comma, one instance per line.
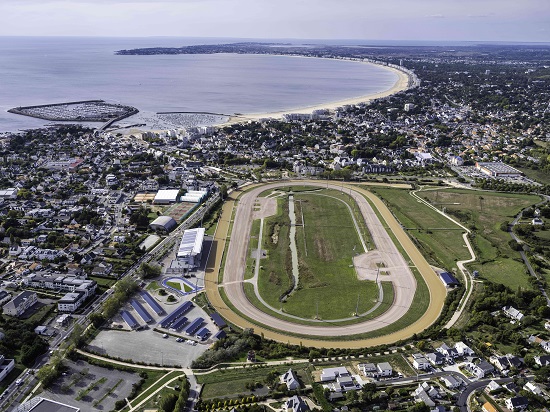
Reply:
x=148, y=271
x=168, y=402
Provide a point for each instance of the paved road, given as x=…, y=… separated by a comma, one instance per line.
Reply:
x=234, y=272
x=462, y=401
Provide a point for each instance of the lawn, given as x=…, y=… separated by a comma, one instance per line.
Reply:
x=175, y=285
x=232, y=382
x=387, y=301
x=484, y=212
x=439, y=239
x=326, y=246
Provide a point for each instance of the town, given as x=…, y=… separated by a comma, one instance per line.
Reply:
x=107, y=238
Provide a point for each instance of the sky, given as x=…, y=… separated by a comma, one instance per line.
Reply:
x=443, y=20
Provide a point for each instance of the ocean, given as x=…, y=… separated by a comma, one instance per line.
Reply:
x=47, y=70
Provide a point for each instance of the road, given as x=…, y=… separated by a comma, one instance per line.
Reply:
x=234, y=272
x=462, y=401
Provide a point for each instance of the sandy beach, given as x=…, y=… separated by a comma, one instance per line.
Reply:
x=400, y=85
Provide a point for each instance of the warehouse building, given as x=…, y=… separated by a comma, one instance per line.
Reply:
x=190, y=249
x=164, y=224
x=498, y=169
x=165, y=197
x=194, y=196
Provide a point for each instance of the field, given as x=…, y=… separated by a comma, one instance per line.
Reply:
x=440, y=239
x=484, y=212
x=325, y=243
x=233, y=382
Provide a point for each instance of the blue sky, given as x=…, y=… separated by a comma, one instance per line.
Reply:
x=484, y=20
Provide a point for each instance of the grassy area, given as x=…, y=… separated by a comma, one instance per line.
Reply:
x=232, y=382
x=253, y=245
x=153, y=286
x=152, y=383
x=387, y=301
x=326, y=246
x=175, y=285
x=484, y=212
x=540, y=176
x=439, y=239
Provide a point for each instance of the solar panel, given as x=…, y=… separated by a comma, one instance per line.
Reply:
x=193, y=326
x=203, y=333
x=220, y=323
x=178, y=324
x=152, y=303
x=129, y=319
x=141, y=311
x=182, y=310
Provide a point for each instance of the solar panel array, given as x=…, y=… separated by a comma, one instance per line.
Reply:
x=178, y=324
x=203, y=333
x=129, y=319
x=141, y=311
x=152, y=303
x=182, y=310
x=220, y=334
x=220, y=323
x=194, y=326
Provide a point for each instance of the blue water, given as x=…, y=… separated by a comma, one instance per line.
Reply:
x=57, y=69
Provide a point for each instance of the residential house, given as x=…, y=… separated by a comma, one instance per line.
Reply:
x=492, y=386
x=533, y=388
x=420, y=362
x=481, y=369
x=290, y=380
x=543, y=360
x=5, y=297
x=367, y=369
x=463, y=349
x=19, y=304
x=330, y=374
x=447, y=351
x=296, y=404
x=517, y=403
x=488, y=407
x=451, y=382
x=512, y=313
x=506, y=362
x=384, y=369
x=435, y=358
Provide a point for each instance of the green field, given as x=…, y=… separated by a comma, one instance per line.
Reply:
x=484, y=212
x=439, y=239
x=325, y=244
x=232, y=382
x=175, y=285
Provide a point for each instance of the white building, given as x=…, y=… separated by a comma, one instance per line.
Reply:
x=330, y=374
x=61, y=283
x=451, y=382
x=6, y=366
x=290, y=380
x=19, y=304
x=190, y=249
x=463, y=349
x=71, y=302
x=512, y=313
x=165, y=197
x=8, y=194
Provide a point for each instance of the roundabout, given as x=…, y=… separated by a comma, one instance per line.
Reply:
x=301, y=254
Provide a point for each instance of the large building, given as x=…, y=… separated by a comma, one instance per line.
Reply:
x=6, y=366
x=61, y=283
x=19, y=304
x=498, y=169
x=38, y=404
x=194, y=196
x=71, y=301
x=165, y=197
x=190, y=249
x=163, y=223
x=10, y=193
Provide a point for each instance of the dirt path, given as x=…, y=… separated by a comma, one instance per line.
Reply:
x=236, y=260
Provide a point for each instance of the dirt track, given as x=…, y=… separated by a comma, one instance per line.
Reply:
x=236, y=260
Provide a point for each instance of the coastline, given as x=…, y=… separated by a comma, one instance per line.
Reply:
x=402, y=83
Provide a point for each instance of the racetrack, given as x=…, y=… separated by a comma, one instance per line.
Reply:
x=404, y=281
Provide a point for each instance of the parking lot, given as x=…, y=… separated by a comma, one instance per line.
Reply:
x=95, y=388
x=147, y=346
x=150, y=346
